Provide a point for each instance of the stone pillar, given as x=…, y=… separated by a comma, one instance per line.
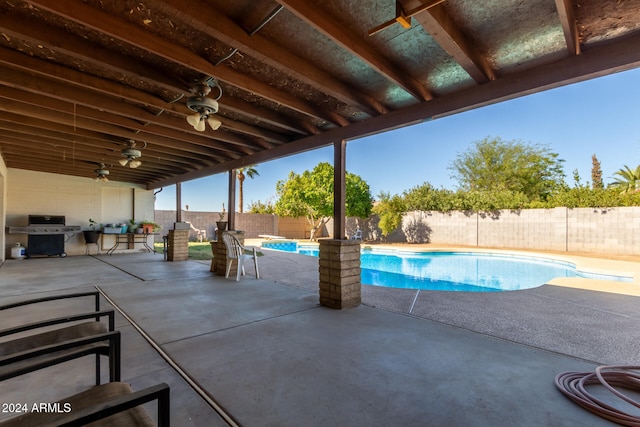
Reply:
x=339, y=267
x=178, y=245
x=219, y=261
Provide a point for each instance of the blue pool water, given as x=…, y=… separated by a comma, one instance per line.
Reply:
x=448, y=271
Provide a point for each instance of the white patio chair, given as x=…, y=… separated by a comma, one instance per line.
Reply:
x=357, y=235
x=236, y=251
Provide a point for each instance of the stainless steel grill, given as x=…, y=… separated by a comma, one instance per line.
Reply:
x=47, y=239
x=46, y=234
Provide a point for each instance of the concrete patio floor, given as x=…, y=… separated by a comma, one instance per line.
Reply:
x=265, y=353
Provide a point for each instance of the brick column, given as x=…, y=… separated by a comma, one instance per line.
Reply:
x=178, y=245
x=339, y=267
x=219, y=261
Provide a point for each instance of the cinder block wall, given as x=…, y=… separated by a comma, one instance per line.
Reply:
x=610, y=230
x=251, y=224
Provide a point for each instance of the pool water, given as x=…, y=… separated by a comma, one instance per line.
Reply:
x=449, y=271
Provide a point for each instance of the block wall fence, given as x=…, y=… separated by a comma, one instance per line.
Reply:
x=601, y=230
x=251, y=224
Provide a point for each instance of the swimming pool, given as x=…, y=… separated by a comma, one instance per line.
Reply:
x=450, y=271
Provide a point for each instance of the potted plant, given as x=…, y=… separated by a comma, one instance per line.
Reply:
x=91, y=235
x=221, y=223
x=149, y=226
x=132, y=225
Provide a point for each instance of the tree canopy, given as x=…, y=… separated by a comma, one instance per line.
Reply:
x=390, y=210
x=496, y=165
x=310, y=195
x=242, y=174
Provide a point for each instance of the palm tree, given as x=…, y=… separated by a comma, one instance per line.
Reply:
x=242, y=173
x=629, y=179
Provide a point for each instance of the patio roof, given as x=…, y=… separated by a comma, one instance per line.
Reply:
x=79, y=80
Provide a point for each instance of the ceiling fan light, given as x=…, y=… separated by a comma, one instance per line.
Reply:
x=214, y=123
x=123, y=162
x=194, y=119
x=200, y=125
x=134, y=164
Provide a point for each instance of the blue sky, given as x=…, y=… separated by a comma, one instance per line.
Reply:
x=599, y=116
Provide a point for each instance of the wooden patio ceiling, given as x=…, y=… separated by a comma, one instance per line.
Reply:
x=79, y=79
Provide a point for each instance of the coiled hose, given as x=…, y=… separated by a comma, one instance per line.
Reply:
x=574, y=386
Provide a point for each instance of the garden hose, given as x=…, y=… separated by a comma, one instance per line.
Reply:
x=574, y=386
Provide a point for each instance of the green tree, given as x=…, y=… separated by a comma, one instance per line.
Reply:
x=242, y=174
x=628, y=180
x=390, y=210
x=596, y=173
x=260, y=207
x=497, y=165
x=310, y=195
x=425, y=197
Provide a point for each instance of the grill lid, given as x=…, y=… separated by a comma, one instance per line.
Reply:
x=46, y=220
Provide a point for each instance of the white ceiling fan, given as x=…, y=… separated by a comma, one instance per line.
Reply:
x=131, y=154
x=102, y=173
x=204, y=107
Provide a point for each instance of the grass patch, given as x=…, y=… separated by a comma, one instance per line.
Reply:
x=197, y=250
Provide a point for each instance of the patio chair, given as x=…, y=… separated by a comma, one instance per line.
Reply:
x=51, y=347
x=357, y=235
x=111, y=404
x=236, y=251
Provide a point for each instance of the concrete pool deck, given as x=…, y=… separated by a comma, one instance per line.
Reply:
x=266, y=353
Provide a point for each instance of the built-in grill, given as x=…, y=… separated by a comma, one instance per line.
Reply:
x=46, y=234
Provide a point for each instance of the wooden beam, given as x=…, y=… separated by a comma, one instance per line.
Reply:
x=169, y=126
x=118, y=28
x=313, y=15
x=30, y=146
x=217, y=25
x=607, y=58
x=106, y=123
x=62, y=42
x=569, y=25
x=55, y=72
x=437, y=22
x=82, y=127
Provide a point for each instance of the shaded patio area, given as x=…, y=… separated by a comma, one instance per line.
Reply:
x=264, y=352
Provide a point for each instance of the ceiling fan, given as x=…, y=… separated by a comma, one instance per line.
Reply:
x=102, y=173
x=131, y=154
x=204, y=107
x=404, y=18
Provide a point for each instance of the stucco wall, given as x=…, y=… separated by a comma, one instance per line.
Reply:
x=610, y=230
x=77, y=198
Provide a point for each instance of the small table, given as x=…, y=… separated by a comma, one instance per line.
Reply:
x=130, y=239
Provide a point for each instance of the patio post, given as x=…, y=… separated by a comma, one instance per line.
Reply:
x=339, y=261
x=178, y=202
x=232, y=200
